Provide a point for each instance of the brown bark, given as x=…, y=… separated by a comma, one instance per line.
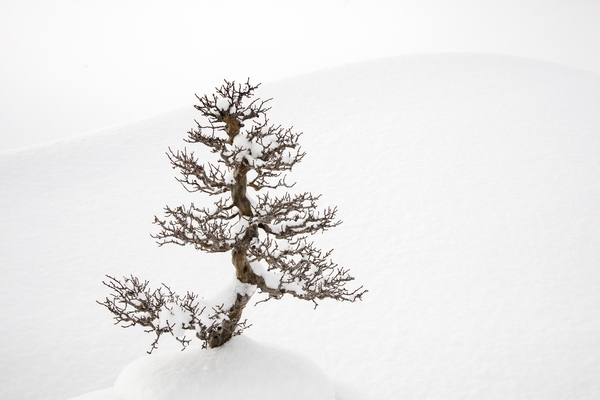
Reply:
x=244, y=272
x=232, y=126
x=224, y=332
x=238, y=190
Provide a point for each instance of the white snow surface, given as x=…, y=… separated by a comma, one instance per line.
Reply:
x=242, y=369
x=468, y=185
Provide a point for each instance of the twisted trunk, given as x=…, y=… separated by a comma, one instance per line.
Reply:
x=222, y=334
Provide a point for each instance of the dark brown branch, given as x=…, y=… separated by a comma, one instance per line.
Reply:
x=208, y=230
x=132, y=303
x=288, y=216
x=225, y=111
x=303, y=271
x=198, y=178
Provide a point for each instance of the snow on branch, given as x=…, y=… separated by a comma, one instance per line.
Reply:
x=288, y=216
x=226, y=111
x=161, y=311
x=301, y=270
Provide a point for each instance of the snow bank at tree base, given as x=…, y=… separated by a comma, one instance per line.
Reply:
x=241, y=369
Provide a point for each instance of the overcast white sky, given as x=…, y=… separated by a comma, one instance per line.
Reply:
x=72, y=66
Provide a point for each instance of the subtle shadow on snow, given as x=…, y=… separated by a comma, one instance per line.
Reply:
x=242, y=368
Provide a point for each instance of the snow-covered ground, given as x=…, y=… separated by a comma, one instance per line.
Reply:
x=242, y=369
x=469, y=188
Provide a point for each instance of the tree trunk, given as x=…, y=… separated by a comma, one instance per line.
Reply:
x=223, y=333
x=238, y=190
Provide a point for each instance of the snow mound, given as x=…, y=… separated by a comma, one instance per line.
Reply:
x=241, y=369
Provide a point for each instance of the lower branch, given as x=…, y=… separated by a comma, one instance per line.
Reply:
x=162, y=311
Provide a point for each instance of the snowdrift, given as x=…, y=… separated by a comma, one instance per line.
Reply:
x=469, y=188
x=242, y=369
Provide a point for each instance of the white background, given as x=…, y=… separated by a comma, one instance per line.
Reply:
x=72, y=66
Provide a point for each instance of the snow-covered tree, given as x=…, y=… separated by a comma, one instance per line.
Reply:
x=254, y=217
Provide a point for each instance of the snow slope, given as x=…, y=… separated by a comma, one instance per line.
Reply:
x=468, y=186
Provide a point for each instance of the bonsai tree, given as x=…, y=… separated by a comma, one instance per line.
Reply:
x=254, y=217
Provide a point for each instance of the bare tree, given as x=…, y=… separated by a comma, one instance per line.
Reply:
x=267, y=233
